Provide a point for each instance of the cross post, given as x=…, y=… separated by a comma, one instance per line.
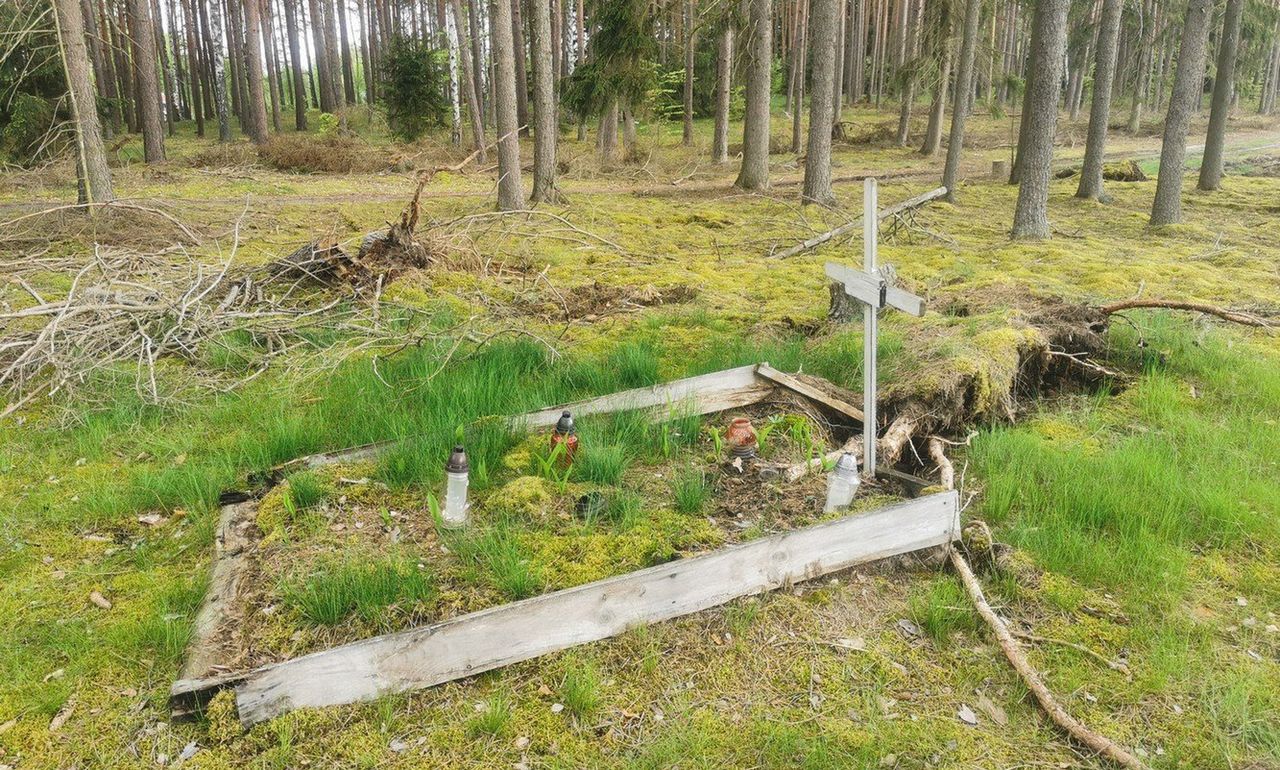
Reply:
x=869, y=287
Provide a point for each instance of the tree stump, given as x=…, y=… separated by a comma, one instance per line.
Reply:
x=843, y=307
x=999, y=169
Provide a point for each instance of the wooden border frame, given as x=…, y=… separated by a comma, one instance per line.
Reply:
x=510, y=633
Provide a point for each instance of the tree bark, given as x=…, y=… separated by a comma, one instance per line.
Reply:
x=166, y=73
x=218, y=81
x=690, y=48
x=148, y=89
x=909, y=87
x=1187, y=84
x=1100, y=112
x=522, y=74
x=1223, y=88
x=333, y=59
x=255, y=112
x=474, y=108
x=197, y=77
x=321, y=61
x=607, y=135
x=510, y=189
x=754, y=174
x=964, y=85
x=724, y=95
x=546, y=130
x=93, y=172
x=801, y=65
x=1031, y=217
x=477, y=57
x=295, y=54
x=823, y=18
x=348, y=71
x=938, y=110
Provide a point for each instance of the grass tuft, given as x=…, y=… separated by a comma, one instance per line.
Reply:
x=366, y=589
x=690, y=491
x=580, y=690
x=493, y=719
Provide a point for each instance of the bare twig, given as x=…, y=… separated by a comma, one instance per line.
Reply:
x=1069, y=724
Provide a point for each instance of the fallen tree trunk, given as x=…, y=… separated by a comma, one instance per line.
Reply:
x=885, y=213
x=1235, y=316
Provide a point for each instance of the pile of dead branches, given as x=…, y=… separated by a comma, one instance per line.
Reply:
x=127, y=311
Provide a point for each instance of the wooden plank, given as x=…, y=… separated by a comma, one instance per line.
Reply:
x=229, y=561
x=866, y=289
x=904, y=301
x=857, y=284
x=500, y=636
x=808, y=391
x=891, y=211
x=703, y=394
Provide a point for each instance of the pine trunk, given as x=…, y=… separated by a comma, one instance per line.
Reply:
x=1187, y=85
x=754, y=174
x=474, y=108
x=255, y=113
x=964, y=86
x=690, y=48
x=522, y=74
x=938, y=110
x=510, y=189
x=92, y=170
x=348, y=70
x=823, y=18
x=546, y=130
x=148, y=88
x=1031, y=216
x=1100, y=112
x=1223, y=88
x=295, y=55
x=724, y=95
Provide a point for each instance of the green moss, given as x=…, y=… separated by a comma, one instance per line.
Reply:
x=222, y=721
x=527, y=497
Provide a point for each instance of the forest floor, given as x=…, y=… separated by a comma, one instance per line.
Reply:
x=1143, y=510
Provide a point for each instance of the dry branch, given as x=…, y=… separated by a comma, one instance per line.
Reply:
x=885, y=213
x=1069, y=724
x=1235, y=316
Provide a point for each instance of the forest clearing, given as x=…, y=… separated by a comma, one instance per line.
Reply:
x=500, y=399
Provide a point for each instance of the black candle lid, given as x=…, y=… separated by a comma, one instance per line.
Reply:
x=565, y=423
x=457, y=461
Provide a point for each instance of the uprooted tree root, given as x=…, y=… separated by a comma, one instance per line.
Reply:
x=1059, y=346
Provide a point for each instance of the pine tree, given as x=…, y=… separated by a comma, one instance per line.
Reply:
x=1100, y=112
x=1031, y=216
x=754, y=174
x=1187, y=85
x=1223, y=89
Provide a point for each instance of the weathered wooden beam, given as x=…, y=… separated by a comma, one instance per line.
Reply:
x=848, y=227
x=867, y=289
x=492, y=638
x=704, y=394
x=229, y=561
x=808, y=391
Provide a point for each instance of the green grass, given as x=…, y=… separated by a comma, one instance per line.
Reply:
x=942, y=609
x=493, y=720
x=496, y=555
x=1119, y=506
x=601, y=464
x=366, y=589
x=690, y=491
x=580, y=690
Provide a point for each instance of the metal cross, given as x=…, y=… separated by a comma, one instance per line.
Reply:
x=869, y=287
